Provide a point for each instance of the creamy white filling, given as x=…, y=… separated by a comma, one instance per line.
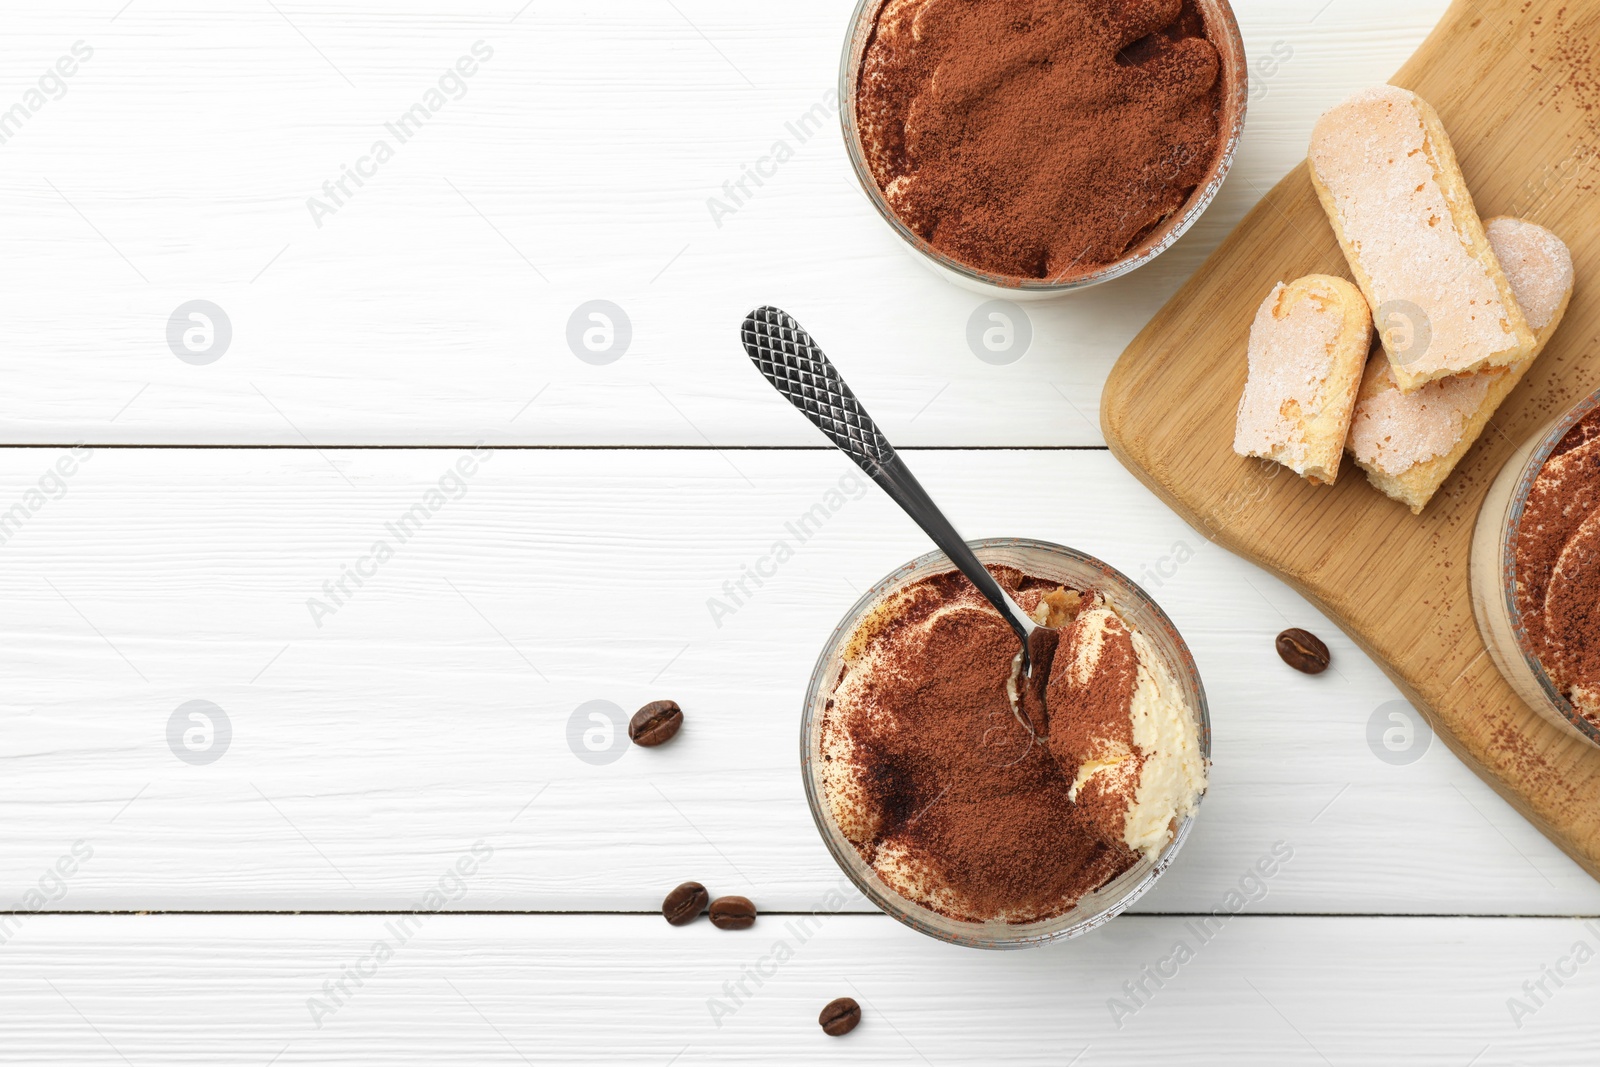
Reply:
x=1174, y=773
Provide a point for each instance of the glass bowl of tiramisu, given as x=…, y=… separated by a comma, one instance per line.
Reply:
x=1027, y=152
x=937, y=796
x=1536, y=570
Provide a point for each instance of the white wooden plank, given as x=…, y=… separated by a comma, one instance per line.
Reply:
x=430, y=713
x=626, y=990
x=431, y=709
x=432, y=306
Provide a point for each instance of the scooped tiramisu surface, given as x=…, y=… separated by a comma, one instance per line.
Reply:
x=1558, y=566
x=947, y=795
x=1038, y=140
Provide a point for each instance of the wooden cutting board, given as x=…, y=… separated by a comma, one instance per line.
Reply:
x=1517, y=83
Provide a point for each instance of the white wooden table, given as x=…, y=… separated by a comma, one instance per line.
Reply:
x=415, y=743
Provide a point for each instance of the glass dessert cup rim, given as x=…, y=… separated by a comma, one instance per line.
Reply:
x=1094, y=909
x=1546, y=443
x=1222, y=30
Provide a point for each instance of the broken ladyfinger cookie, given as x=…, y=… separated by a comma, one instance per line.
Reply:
x=1307, y=346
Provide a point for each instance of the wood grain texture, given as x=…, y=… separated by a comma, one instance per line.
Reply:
x=1515, y=84
x=608, y=990
x=435, y=704
x=432, y=307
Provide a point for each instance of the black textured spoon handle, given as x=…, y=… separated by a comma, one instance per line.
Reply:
x=787, y=356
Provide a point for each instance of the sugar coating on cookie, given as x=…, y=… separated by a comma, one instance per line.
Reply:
x=1537, y=263
x=1394, y=431
x=1306, y=346
x=1407, y=225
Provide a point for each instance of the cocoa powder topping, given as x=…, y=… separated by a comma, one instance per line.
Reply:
x=1557, y=561
x=1041, y=140
x=955, y=804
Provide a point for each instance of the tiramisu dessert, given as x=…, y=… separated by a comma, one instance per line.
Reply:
x=1557, y=560
x=930, y=773
x=1043, y=140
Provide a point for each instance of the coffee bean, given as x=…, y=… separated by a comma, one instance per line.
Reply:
x=656, y=723
x=733, y=913
x=685, y=903
x=1304, y=651
x=840, y=1017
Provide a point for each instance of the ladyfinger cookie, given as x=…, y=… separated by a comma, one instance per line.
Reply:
x=1387, y=176
x=1408, y=443
x=1307, y=345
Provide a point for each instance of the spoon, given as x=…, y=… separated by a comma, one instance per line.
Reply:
x=787, y=356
